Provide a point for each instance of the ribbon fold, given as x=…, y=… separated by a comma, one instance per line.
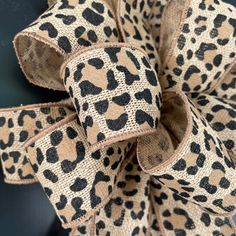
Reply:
x=145, y=144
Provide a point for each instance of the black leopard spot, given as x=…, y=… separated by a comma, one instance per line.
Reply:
x=88, y=122
x=181, y=42
x=112, y=53
x=2, y=121
x=51, y=155
x=77, y=202
x=129, y=77
x=99, y=177
x=79, y=31
x=203, y=48
x=145, y=94
x=133, y=59
x=23, y=136
x=112, y=83
x=65, y=5
x=78, y=73
x=200, y=198
x=15, y=155
x=137, y=35
x=195, y=148
x=217, y=60
x=118, y=123
x=40, y=156
x=107, y=31
x=98, y=6
x=68, y=166
x=200, y=30
x=204, y=183
x=224, y=183
x=180, y=60
x=122, y=100
x=233, y=23
x=200, y=160
x=67, y=20
x=141, y=117
x=101, y=106
x=168, y=225
x=80, y=150
x=62, y=203
x=83, y=42
x=48, y=174
x=96, y=155
x=151, y=77
x=219, y=20
x=52, y=31
x=87, y=88
x=24, y=113
x=190, y=71
x=79, y=184
x=9, y=142
x=48, y=192
x=100, y=137
x=205, y=218
x=96, y=62
x=64, y=43
x=92, y=17
x=146, y=62
x=192, y=170
x=71, y=133
x=180, y=165
x=56, y=137
x=218, y=166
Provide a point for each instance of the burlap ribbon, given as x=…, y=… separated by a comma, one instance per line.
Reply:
x=145, y=145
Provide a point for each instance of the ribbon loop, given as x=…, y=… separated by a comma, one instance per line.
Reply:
x=198, y=44
x=136, y=24
x=181, y=217
x=115, y=91
x=19, y=124
x=65, y=27
x=77, y=181
x=199, y=168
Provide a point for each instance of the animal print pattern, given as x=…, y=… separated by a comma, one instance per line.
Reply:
x=154, y=228
x=155, y=20
x=127, y=212
x=77, y=181
x=17, y=125
x=134, y=23
x=129, y=162
x=221, y=115
x=199, y=169
x=203, y=49
x=227, y=88
x=180, y=217
x=86, y=228
x=124, y=214
x=65, y=27
x=115, y=91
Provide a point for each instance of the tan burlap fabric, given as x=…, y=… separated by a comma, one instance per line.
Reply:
x=145, y=144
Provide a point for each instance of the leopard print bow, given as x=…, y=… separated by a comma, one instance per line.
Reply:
x=145, y=144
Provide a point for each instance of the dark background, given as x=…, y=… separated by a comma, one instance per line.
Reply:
x=24, y=210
